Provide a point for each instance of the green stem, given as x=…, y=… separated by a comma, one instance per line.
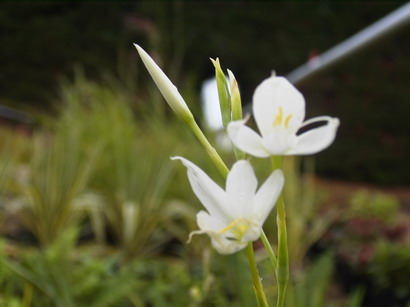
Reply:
x=213, y=154
x=282, y=269
x=256, y=280
x=269, y=249
x=277, y=162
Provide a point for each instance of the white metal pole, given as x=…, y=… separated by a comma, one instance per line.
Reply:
x=396, y=20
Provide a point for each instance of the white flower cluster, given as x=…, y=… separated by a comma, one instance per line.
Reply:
x=235, y=215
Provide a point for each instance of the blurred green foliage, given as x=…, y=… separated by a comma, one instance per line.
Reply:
x=311, y=292
x=383, y=207
x=58, y=276
x=132, y=168
x=370, y=244
x=312, y=286
x=57, y=175
x=369, y=218
x=306, y=223
x=390, y=268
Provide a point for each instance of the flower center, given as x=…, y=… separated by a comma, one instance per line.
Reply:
x=279, y=120
x=237, y=227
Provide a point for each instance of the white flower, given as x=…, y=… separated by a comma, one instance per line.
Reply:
x=167, y=88
x=279, y=111
x=235, y=215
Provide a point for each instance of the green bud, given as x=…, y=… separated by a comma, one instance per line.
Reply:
x=223, y=93
x=236, y=104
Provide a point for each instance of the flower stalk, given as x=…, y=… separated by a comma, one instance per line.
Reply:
x=282, y=268
x=256, y=280
x=269, y=249
x=212, y=153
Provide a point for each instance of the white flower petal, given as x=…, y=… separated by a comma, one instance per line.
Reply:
x=246, y=139
x=207, y=222
x=226, y=246
x=253, y=232
x=279, y=141
x=222, y=242
x=241, y=186
x=211, y=195
x=317, y=139
x=271, y=95
x=267, y=196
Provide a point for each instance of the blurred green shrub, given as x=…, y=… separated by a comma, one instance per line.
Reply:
x=60, y=276
x=371, y=250
x=132, y=170
x=314, y=286
x=370, y=217
x=365, y=204
x=305, y=221
x=58, y=173
x=310, y=289
x=390, y=268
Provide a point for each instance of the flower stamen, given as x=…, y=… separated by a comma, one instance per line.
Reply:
x=230, y=226
x=278, y=118
x=238, y=228
x=287, y=119
x=278, y=121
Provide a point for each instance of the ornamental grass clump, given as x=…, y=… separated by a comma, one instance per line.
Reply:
x=234, y=216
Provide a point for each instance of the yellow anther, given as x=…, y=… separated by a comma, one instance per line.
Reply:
x=230, y=226
x=278, y=118
x=239, y=227
x=243, y=228
x=278, y=121
x=287, y=119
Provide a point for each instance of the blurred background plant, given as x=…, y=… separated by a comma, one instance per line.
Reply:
x=60, y=276
x=370, y=240
x=132, y=172
x=58, y=174
x=93, y=212
x=306, y=219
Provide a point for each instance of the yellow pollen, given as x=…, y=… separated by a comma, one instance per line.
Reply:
x=287, y=119
x=278, y=118
x=243, y=228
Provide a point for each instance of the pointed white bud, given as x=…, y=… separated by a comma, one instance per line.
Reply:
x=167, y=88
